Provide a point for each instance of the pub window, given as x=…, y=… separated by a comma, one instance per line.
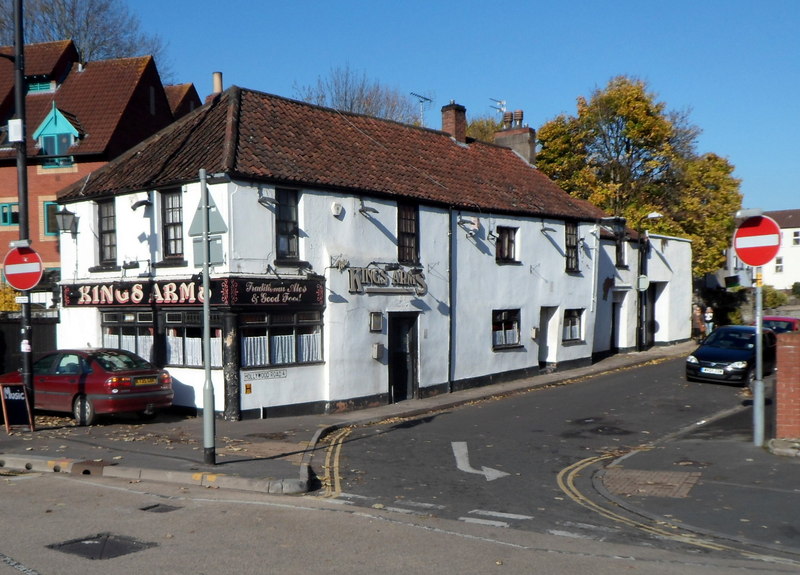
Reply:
x=9, y=214
x=505, y=328
x=572, y=325
x=129, y=330
x=796, y=238
x=107, y=232
x=184, y=338
x=286, y=225
x=779, y=265
x=505, y=247
x=281, y=338
x=571, y=246
x=172, y=223
x=407, y=233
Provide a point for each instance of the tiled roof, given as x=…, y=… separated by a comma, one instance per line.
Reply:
x=48, y=59
x=785, y=218
x=262, y=137
x=117, y=102
x=182, y=98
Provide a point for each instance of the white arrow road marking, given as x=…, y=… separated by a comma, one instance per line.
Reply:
x=462, y=463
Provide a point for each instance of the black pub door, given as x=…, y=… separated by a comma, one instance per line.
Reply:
x=402, y=357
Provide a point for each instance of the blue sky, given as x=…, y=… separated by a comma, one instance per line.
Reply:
x=733, y=64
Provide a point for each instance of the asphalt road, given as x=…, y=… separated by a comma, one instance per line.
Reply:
x=499, y=462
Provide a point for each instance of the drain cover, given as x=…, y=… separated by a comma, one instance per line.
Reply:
x=633, y=482
x=102, y=546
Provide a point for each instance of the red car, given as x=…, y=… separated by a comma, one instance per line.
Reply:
x=91, y=382
x=780, y=324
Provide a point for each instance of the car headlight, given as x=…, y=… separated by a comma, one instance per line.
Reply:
x=738, y=365
x=691, y=359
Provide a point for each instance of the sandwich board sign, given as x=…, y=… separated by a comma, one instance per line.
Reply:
x=16, y=407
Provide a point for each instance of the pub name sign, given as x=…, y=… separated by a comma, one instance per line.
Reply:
x=227, y=291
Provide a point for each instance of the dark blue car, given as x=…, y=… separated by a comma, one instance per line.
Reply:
x=728, y=355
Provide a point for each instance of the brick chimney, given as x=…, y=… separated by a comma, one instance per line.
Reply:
x=517, y=136
x=454, y=121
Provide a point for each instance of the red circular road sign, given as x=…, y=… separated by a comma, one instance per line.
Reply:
x=23, y=268
x=757, y=240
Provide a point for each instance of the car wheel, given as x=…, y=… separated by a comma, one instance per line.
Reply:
x=83, y=410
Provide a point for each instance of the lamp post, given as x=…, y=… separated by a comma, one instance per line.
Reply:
x=643, y=282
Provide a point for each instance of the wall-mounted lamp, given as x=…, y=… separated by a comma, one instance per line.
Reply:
x=267, y=202
x=366, y=210
x=146, y=201
x=67, y=221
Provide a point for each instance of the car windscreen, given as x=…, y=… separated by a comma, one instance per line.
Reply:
x=731, y=339
x=118, y=361
x=777, y=325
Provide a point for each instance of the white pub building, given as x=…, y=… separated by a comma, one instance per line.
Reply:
x=353, y=261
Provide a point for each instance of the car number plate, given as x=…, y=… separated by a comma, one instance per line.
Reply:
x=712, y=370
x=146, y=380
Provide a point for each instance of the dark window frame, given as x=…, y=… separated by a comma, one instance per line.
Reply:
x=407, y=233
x=172, y=224
x=571, y=246
x=503, y=322
x=107, y=232
x=287, y=225
x=506, y=245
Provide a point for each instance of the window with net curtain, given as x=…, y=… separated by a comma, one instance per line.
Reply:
x=281, y=338
x=505, y=328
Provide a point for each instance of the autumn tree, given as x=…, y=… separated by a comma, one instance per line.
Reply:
x=626, y=153
x=351, y=91
x=100, y=29
x=483, y=128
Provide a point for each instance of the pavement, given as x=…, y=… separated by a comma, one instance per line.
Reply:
x=709, y=479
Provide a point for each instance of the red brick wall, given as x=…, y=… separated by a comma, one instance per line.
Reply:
x=787, y=387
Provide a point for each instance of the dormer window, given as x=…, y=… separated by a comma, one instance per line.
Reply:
x=55, y=136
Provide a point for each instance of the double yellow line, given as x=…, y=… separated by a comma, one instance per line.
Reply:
x=332, y=481
x=566, y=482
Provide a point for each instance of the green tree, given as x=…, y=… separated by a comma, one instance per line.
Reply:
x=483, y=128
x=626, y=153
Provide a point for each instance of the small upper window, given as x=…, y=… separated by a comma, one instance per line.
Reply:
x=796, y=238
x=172, y=222
x=571, y=246
x=287, y=227
x=506, y=244
x=55, y=135
x=407, y=233
x=9, y=214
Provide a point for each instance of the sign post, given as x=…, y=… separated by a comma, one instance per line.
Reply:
x=756, y=242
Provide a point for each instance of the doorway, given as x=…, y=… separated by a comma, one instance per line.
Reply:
x=403, y=357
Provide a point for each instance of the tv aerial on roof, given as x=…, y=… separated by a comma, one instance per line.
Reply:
x=501, y=105
x=423, y=101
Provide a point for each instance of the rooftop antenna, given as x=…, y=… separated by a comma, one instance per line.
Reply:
x=423, y=101
x=501, y=105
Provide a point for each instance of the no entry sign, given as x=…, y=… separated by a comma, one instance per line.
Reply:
x=23, y=268
x=757, y=240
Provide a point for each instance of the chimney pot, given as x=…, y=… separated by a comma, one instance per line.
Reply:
x=216, y=83
x=454, y=121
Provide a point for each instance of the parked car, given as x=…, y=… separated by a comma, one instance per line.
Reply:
x=780, y=324
x=91, y=382
x=728, y=355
